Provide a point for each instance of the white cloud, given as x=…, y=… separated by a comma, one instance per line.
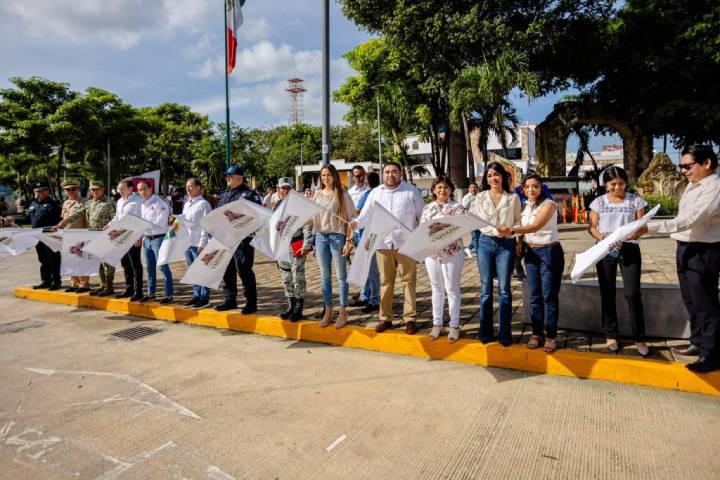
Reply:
x=255, y=29
x=203, y=46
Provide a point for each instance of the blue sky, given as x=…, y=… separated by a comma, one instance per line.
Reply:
x=154, y=51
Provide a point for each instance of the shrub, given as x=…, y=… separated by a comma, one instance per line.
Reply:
x=668, y=204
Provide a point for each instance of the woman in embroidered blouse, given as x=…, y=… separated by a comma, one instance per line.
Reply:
x=332, y=240
x=444, y=267
x=544, y=261
x=496, y=251
x=607, y=213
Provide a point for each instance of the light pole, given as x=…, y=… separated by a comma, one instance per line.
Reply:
x=326, y=84
x=377, y=97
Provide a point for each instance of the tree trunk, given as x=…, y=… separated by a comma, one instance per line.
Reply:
x=60, y=167
x=468, y=148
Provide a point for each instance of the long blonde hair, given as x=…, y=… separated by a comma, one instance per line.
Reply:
x=337, y=186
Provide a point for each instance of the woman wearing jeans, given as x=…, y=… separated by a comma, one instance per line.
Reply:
x=609, y=212
x=333, y=240
x=444, y=267
x=496, y=251
x=544, y=261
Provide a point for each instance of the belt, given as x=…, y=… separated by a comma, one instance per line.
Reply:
x=153, y=237
x=542, y=245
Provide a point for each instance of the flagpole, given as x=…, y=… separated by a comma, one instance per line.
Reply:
x=227, y=93
x=326, y=83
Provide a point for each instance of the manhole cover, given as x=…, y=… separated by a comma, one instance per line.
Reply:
x=135, y=333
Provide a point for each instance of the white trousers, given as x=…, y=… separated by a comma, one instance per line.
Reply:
x=445, y=280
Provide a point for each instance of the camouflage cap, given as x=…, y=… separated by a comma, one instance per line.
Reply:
x=97, y=184
x=70, y=183
x=286, y=182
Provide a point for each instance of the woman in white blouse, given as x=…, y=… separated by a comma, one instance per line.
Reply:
x=544, y=261
x=607, y=213
x=332, y=240
x=496, y=250
x=444, y=267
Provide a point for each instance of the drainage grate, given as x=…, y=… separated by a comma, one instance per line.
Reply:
x=135, y=332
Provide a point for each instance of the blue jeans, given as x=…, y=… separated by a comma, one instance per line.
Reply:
x=328, y=247
x=495, y=258
x=152, y=251
x=544, y=269
x=203, y=293
x=371, y=292
x=474, y=240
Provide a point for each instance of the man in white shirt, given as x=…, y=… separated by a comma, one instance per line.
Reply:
x=697, y=231
x=130, y=203
x=359, y=187
x=195, y=208
x=468, y=202
x=156, y=211
x=405, y=202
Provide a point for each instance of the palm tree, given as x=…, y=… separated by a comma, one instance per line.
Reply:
x=479, y=99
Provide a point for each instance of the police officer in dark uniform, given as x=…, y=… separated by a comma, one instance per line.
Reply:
x=44, y=211
x=244, y=257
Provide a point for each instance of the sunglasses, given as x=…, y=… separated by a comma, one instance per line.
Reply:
x=686, y=166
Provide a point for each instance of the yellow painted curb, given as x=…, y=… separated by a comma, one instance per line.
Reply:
x=569, y=363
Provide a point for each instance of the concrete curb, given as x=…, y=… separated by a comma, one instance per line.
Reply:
x=568, y=363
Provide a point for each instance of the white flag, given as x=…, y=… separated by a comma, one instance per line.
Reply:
x=209, y=267
x=261, y=243
x=434, y=235
x=52, y=240
x=294, y=212
x=74, y=260
x=379, y=225
x=175, y=243
x=15, y=241
x=117, y=239
x=585, y=260
x=234, y=221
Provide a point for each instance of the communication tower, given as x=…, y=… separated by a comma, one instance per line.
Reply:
x=296, y=90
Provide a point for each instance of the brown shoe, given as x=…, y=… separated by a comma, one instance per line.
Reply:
x=411, y=327
x=382, y=326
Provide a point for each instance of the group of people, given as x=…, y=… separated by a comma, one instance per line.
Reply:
x=518, y=228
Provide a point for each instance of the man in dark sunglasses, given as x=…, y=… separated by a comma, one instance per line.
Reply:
x=697, y=231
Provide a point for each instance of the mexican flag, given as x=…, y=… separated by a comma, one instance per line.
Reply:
x=234, y=19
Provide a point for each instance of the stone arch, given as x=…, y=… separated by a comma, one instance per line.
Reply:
x=551, y=137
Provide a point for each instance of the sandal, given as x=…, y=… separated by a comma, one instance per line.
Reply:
x=534, y=342
x=436, y=331
x=550, y=345
x=454, y=334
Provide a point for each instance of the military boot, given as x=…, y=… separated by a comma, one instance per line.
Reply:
x=291, y=308
x=297, y=314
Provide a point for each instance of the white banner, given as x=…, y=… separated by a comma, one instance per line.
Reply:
x=294, y=212
x=16, y=241
x=175, y=243
x=75, y=261
x=209, y=267
x=379, y=225
x=233, y=222
x=434, y=235
x=261, y=243
x=52, y=240
x=585, y=260
x=117, y=238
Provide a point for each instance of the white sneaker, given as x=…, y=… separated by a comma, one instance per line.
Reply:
x=643, y=349
x=436, y=331
x=468, y=252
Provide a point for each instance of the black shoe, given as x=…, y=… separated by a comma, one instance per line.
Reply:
x=226, y=307
x=147, y=298
x=166, y=300
x=291, y=308
x=687, y=350
x=82, y=290
x=97, y=291
x=359, y=303
x=191, y=302
x=71, y=289
x=54, y=287
x=201, y=304
x=135, y=298
x=41, y=285
x=370, y=308
x=297, y=314
x=106, y=293
x=126, y=294
x=249, y=309
x=704, y=365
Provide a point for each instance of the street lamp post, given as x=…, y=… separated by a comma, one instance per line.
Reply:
x=377, y=96
x=326, y=84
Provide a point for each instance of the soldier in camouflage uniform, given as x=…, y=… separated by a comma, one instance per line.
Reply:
x=293, y=272
x=96, y=213
x=72, y=205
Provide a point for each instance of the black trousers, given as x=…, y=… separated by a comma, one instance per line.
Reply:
x=698, y=266
x=133, y=270
x=630, y=263
x=49, y=264
x=241, y=264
